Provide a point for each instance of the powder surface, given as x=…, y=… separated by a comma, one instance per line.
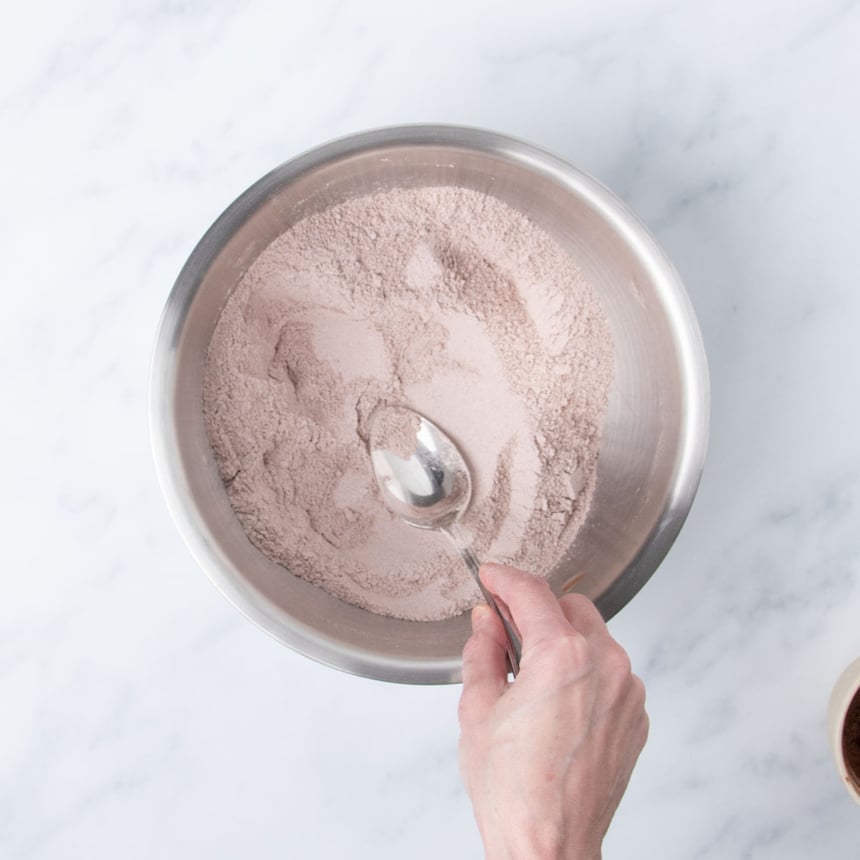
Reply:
x=442, y=299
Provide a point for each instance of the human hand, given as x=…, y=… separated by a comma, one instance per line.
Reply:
x=546, y=759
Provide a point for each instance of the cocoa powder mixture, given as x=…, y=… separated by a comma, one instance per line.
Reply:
x=443, y=299
x=851, y=739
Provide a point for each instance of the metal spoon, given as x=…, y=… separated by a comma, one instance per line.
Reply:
x=425, y=481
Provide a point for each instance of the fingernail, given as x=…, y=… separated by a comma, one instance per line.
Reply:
x=480, y=614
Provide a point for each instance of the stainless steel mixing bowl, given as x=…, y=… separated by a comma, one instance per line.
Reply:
x=654, y=436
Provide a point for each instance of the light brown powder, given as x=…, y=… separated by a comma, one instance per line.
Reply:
x=443, y=299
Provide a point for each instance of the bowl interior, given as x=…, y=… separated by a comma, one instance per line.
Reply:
x=654, y=431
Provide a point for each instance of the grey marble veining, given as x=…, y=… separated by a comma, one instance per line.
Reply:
x=140, y=715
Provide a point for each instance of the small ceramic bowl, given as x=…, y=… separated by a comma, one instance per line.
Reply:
x=844, y=693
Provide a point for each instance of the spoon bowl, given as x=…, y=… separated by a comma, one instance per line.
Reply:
x=421, y=473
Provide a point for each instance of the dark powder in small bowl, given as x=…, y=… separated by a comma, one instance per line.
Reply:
x=851, y=739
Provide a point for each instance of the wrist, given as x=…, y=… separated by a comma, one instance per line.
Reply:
x=537, y=849
x=539, y=846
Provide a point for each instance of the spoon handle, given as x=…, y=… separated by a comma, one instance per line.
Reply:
x=455, y=533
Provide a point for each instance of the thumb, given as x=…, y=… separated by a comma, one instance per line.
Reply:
x=485, y=670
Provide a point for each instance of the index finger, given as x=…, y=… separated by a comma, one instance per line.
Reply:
x=532, y=605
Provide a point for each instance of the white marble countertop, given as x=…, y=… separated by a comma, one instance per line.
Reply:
x=140, y=715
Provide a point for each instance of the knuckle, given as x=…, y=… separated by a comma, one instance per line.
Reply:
x=567, y=648
x=642, y=730
x=618, y=662
x=638, y=692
